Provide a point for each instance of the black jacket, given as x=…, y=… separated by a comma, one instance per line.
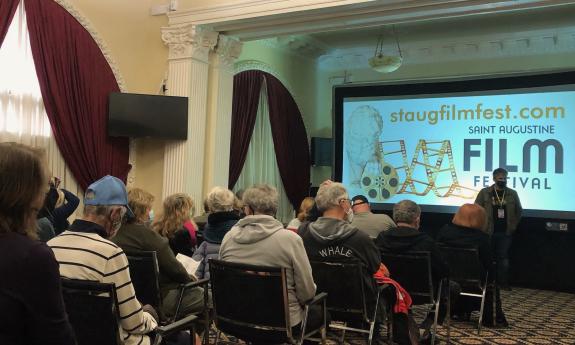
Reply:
x=333, y=239
x=462, y=237
x=403, y=239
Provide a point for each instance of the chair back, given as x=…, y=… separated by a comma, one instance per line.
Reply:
x=250, y=302
x=93, y=311
x=413, y=271
x=343, y=283
x=145, y=272
x=464, y=266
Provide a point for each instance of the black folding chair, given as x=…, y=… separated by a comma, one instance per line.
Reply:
x=347, y=300
x=413, y=271
x=251, y=303
x=145, y=273
x=466, y=269
x=92, y=309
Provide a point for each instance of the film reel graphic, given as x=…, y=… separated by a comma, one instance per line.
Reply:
x=386, y=182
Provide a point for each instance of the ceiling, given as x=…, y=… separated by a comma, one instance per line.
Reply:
x=546, y=30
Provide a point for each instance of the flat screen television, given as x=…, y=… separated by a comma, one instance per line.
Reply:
x=152, y=116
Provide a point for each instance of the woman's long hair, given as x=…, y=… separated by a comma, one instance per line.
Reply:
x=177, y=210
x=304, y=208
x=24, y=183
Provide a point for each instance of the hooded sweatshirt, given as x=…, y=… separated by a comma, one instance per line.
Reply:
x=403, y=239
x=330, y=239
x=262, y=240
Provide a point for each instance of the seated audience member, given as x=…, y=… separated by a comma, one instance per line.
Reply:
x=176, y=224
x=32, y=308
x=302, y=213
x=405, y=238
x=45, y=229
x=366, y=221
x=66, y=205
x=84, y=252
x=222, y=217
x=202, y=219
x=260, y=239
x=135, y=236
x=45, y=217
x=332, y=238
x=468, y=229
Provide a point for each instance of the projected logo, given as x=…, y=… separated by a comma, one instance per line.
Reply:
x=382, y=169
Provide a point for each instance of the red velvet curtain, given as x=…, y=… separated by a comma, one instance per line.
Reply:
x=247, y=87
x=7, y=10
x=75, y=80
x=290, y=141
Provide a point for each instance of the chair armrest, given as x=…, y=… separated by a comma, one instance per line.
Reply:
x=317, y=298
x=180, y=325
x=194, y=284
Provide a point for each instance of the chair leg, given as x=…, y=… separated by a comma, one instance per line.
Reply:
x=437, y=301
x=342, y=339
x=448, y=313
x=218, y=333
x=158, y=339
x=371, y=328
x=480, y=322
x=323, y=333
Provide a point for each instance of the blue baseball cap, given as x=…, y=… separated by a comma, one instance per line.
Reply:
x=108, y=190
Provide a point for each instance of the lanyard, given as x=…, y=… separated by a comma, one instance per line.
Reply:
x=498, y=199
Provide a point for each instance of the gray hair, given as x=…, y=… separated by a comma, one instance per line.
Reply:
x=406, y=211
x=98, y=210
x=220, y=199
x=329, y=196
x=262, y=199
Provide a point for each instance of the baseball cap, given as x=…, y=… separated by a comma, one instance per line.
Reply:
x=359, y=199
x=108, y=190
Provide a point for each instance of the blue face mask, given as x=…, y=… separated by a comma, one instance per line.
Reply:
x=151, y=216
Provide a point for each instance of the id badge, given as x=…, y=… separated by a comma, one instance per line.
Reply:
x=500, y=213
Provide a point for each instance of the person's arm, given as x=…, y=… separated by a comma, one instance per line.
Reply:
x=169, y=265
x=71, y=204
x=48, y=322
x=480, y=198
x=304, y=286
x=132, y=317
x=373, y=256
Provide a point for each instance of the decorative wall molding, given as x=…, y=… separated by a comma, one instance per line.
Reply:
x=115, y=69
x=228, y=50
x=189, y=41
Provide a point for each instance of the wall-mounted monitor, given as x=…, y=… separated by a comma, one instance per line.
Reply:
x=153, y=116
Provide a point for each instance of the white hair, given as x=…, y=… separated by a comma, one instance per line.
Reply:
x=220, y=199
x=262, y=199
x=329, y=196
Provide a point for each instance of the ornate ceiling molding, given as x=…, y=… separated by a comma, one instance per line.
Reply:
x=541, y=43
x=189, y=41
x=251, y=20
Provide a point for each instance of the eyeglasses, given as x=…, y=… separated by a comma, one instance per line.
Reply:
x=358, y=203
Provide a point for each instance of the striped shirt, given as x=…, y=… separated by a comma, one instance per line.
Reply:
x=84, y=254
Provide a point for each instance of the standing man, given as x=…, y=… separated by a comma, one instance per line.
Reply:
x=366, y=221
x=503, y=210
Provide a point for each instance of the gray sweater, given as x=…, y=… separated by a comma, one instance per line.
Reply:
x=372, y=224
x=262, y=240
